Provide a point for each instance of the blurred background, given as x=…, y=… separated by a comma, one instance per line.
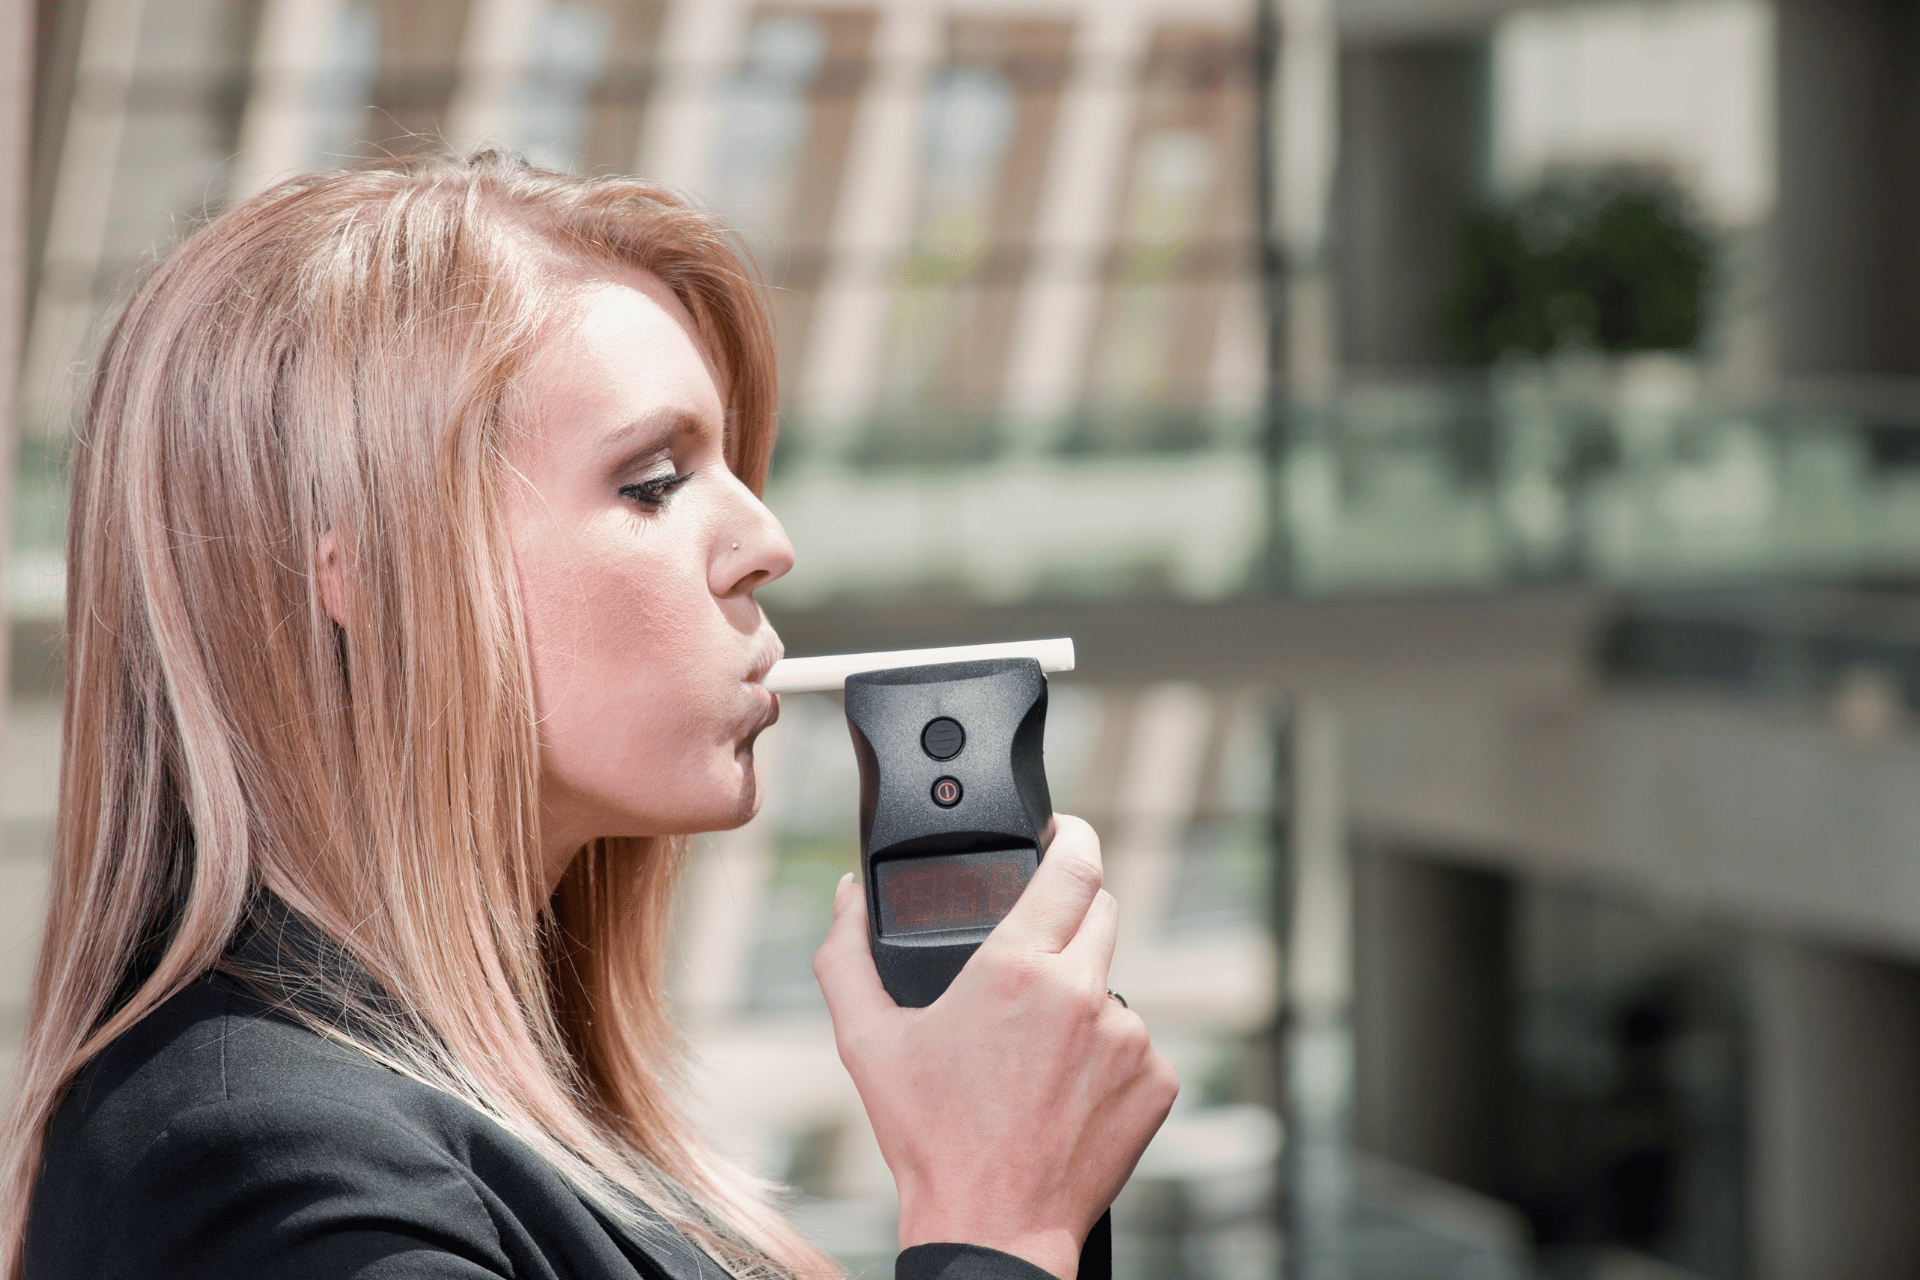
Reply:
x=1474, y=443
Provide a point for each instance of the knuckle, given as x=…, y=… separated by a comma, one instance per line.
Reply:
x=1083, y=866
x=1134, y=1039
x=828, y=954
x=1165, y=1079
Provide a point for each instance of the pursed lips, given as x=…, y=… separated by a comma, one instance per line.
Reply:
x=769, y=652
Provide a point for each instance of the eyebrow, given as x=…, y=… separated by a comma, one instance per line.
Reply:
x=649, y=432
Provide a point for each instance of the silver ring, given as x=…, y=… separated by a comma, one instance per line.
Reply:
x=1117, y=996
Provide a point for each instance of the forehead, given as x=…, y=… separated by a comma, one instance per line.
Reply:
x=621, y=346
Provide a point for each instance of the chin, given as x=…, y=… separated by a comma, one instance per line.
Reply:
x=746, y=799
x=734, y=802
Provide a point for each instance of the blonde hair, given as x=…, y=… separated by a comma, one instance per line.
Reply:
x=339, y=354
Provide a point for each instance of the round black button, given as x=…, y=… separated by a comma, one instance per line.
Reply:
x=943, y=738
x=946, y=792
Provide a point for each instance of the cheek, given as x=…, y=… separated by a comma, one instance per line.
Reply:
x=631, y=712
x=603, y=630
x=557, y=609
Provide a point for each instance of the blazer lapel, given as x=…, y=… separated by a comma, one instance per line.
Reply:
x=287, y=960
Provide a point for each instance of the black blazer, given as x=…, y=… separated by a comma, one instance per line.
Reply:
x=220, y=1138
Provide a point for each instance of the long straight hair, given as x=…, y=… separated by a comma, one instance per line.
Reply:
x=339, y=356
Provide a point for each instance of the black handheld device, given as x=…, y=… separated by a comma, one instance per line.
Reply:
x=953, y=806
x=953, y=810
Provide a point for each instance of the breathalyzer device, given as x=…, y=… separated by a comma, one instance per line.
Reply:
x=953, y=794
x=953, y=805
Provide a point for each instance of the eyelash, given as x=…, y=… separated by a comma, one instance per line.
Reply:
x=653, y=494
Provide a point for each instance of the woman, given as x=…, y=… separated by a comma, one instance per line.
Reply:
x=410, y=628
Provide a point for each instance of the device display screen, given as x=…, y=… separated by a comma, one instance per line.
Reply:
x=951, y=890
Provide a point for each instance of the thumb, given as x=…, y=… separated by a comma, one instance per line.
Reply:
x=844, y=963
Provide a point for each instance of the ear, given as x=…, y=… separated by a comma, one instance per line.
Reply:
x=330, y=572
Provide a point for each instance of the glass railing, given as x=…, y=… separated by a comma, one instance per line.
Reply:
x=1629, y=474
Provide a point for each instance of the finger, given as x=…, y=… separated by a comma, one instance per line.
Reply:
x=1092, y=947
x=1049, y=912
x=844, y=963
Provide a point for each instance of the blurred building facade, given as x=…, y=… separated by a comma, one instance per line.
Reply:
x=1504, y=755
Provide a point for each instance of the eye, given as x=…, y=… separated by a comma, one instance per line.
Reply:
x=652, y=493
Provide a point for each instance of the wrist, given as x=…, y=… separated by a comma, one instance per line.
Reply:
x=948, y=1260
x=1057, y=1254
x=1055, y=1250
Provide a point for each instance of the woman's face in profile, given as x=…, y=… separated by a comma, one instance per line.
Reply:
x=638, y=552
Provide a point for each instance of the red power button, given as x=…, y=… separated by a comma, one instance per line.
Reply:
x=946, y=792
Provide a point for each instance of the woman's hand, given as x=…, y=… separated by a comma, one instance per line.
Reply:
x=1012, y=1109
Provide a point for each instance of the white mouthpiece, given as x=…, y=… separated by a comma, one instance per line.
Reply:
x=820, y=675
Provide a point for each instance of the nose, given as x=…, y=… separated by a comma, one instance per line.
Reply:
x=751, y=549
